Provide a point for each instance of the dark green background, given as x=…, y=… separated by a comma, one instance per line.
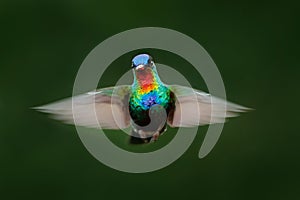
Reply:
x=255, y=46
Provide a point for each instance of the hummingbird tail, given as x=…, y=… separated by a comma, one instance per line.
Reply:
x=135, y=138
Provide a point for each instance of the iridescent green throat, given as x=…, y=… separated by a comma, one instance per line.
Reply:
x=148, y=90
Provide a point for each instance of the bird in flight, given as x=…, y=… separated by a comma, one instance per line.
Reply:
x=147, y=106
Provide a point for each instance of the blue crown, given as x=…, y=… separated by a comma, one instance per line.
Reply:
x=141, y=59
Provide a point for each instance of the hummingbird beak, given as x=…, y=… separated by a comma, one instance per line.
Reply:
x=143, y=72
x=146, y=67
x=140, y=67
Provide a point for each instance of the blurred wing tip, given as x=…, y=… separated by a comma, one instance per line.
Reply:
x=39, y=108
x=243, y=109
x=44, y=109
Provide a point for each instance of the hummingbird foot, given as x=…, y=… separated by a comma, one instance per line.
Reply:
x=155, y=137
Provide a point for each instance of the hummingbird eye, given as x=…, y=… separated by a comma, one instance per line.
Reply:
x=150, y=61
x=132, y=65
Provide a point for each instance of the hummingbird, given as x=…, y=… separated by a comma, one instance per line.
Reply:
x=148, y=106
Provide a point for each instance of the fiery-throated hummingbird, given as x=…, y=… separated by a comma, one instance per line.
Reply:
x=147, y=106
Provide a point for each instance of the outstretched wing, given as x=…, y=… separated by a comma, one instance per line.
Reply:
x=107, y=108
x=195, y=108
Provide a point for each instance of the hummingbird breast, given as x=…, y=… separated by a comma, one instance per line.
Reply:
x=140, y=104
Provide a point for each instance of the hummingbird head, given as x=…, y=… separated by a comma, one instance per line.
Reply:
x=141, y=61
x=144, y=70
